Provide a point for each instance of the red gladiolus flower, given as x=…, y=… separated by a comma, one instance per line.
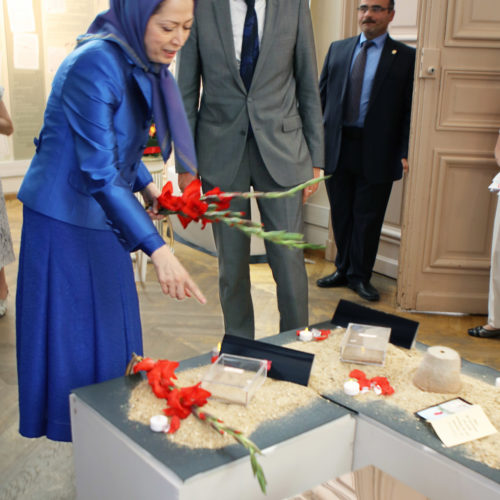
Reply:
x=357, y=374
x=192, y=205
x=160, y=375
x=188, y=207
x=160, y=389
x=192, y=191
x=181, y=401
x=145, y=365
x=175, y=423
x=223, y=202
x=184, y=220
x=167, y=369
x=384, y=385
x=324, y=335
x=382, y=382
x=196, y=394
x=168, y=200
x=152, y=150
x=175, y=404
x=360, y=376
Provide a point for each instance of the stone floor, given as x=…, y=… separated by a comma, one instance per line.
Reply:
x=41, y=469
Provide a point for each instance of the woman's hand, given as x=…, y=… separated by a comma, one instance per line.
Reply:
x=174, y=279
x=150, y=195
x=6, y=126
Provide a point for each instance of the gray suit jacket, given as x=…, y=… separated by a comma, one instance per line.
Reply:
x=282, y=105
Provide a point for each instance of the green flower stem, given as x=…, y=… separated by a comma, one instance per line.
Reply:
x=133, y=361
x=252, y=448
x=269, y=194
x=233, y=219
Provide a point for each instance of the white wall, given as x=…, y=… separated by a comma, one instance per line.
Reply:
x=73, y=18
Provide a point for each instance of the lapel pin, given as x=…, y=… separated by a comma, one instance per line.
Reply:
x=394, y=52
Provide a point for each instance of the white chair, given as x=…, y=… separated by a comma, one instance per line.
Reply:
x=164, y=226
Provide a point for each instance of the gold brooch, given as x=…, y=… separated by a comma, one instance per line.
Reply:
x=394, y=52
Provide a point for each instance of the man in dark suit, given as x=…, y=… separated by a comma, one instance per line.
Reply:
x=258, y=125
x=366, y=88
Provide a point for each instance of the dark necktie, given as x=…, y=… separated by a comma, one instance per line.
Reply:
x=249, y=45
x=356, y=84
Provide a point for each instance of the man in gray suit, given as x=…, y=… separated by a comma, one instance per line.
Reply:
x=260, y=130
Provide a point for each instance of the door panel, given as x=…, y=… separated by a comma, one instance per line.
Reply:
x=448, y=213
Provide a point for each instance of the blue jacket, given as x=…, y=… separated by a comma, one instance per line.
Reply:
x=88, y=155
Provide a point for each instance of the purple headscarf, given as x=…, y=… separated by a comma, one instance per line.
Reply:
x=125, y=24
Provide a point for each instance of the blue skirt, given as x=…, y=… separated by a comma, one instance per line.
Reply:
x=77, y=318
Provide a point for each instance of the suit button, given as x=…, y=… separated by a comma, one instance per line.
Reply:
x=250, y=99
x=243, y=132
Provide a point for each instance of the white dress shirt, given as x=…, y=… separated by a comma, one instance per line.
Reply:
x=238, y=14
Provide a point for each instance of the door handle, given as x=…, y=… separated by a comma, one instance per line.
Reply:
x=429, y=63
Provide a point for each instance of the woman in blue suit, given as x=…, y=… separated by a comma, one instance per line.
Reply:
x=77, y=308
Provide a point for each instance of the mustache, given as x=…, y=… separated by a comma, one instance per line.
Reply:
x=369, y=20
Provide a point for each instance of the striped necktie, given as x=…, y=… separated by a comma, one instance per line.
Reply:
x=356, y=84
x=250, y=45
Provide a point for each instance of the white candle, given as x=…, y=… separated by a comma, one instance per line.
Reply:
x=305, y=335
x=159, y=423
x=351, y=387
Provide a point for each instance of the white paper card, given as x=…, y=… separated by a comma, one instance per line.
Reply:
x=466, y=425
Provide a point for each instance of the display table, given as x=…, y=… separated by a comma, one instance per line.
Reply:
x=117, y=458
x=406, y=448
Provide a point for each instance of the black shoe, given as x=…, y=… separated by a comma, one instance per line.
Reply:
x=484, y=333
x=365, y=291
x=332, y=280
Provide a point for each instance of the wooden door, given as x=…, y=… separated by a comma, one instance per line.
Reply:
x=404, y=29
x=448, y=211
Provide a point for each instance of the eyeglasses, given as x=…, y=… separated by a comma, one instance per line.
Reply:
x=376, y=9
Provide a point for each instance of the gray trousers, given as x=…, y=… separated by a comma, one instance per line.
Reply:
x=233, y=249
x=494, y=292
